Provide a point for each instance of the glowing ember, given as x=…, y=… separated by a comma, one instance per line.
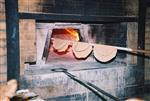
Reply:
x=73, y=33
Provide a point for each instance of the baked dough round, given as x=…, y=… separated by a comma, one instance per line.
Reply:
x=61, y=45
x=81, y=49
x=104, y=53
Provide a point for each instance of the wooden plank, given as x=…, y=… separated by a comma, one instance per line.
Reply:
x=12, y=29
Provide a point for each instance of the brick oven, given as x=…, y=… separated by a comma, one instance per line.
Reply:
x=46, y=83
x=94, y=22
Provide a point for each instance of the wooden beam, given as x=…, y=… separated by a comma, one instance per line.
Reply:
x=77, y=18
x=12, y=29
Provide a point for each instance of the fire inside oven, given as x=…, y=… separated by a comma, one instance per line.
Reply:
x=68, y=34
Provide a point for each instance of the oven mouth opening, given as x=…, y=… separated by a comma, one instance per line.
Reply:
x=66, y=34
x=74, y=33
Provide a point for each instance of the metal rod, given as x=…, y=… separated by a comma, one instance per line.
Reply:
x=96, y=90
x=85, y=84
x=91, y=86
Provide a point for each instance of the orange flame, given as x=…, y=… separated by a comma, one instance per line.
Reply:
x=74, y=33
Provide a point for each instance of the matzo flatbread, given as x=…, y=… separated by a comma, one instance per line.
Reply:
x=81, y=49
x=60, y=45
x=104, y=53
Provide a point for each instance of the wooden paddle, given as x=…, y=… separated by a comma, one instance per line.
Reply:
x=105, y=50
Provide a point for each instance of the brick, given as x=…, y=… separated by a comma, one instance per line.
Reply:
x=2, y=43
x=3, y=77
x=2, y=1
x=3, y=69
x=27, y=36
x=27, y=42
x=2, y=51
x=27, y=26
x=2, y=26
x=147, y=64
x=23, y=5
x=23, y=8
x=147, y=35
x=34, y=1
x=28, y=53
x=147, y=69
x=35, y=8
x=49, y=2
x=2, y=35
x=147, y=40
x=31, y=6
x=3, y=60
x=23, y=1
x=28, y=56
x=31, y=48
x=147, y=44
x=132, y=7
x=2, y=7
x=2, y=16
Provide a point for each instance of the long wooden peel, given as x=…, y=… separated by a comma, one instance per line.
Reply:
x=141, y=51
x=133, y=50
x=119, y=48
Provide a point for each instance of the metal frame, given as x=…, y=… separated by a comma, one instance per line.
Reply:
x=12, y=28
x=77, y=18
x=141, y=36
